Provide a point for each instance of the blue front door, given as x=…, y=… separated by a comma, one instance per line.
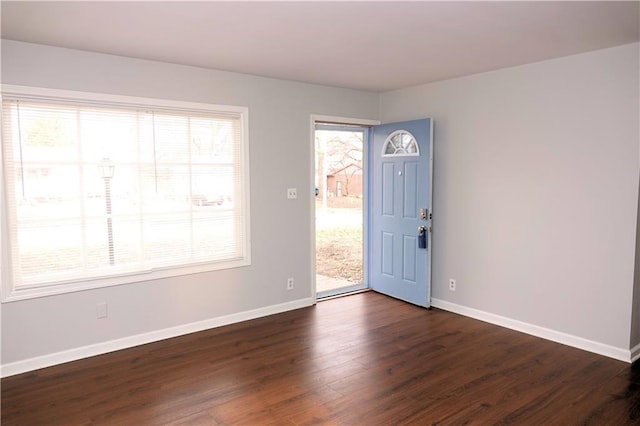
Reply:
x=400, y=227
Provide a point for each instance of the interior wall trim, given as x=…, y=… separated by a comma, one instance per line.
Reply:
x=74, y=354
x=620, y=354
x=635, y=353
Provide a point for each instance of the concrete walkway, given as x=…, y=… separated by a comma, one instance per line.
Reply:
x=324, y=283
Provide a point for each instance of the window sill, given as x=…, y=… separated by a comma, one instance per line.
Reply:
x=56, y=288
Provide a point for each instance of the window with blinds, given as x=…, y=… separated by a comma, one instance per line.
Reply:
x=98, y=193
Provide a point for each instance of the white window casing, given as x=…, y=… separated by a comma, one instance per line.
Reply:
x=103, y=190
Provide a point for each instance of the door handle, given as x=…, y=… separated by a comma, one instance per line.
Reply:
x=422, y=237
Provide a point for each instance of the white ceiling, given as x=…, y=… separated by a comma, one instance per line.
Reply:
x=374, y=46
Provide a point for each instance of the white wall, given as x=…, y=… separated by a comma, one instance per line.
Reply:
x=535, y=190
x=279, y=117
x=535, y=196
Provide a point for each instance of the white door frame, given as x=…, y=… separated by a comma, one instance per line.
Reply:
x=314, y=118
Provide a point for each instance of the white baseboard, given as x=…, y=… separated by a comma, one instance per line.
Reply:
x=635, y=353
x=620, y=354
x=141, y=339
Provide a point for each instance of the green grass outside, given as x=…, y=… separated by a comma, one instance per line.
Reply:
x=339, y=248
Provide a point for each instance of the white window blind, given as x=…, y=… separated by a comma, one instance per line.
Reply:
x=176, y=198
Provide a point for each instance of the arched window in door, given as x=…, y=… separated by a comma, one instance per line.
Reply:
x=400, y=142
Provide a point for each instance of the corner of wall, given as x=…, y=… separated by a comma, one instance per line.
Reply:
x=379, y=109
x=635, y=307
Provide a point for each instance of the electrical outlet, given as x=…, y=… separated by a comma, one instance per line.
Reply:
x=452, y=284
x=292, y=193
x=290, y=283
x=101, y=310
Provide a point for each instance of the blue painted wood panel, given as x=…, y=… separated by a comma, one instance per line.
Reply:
x=400, y=186
x=388, y=196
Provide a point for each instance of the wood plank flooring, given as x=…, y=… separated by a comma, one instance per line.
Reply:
x=365, y=359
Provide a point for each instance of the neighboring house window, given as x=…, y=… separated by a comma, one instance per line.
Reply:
x=104, y=190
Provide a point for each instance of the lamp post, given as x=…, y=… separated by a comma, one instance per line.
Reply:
x=107, y=168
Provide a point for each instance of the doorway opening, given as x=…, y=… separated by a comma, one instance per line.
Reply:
x=341, y=196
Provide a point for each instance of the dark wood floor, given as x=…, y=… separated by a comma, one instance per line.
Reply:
x=363, y=359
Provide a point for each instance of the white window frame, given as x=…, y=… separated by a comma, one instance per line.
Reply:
x=10, y=293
